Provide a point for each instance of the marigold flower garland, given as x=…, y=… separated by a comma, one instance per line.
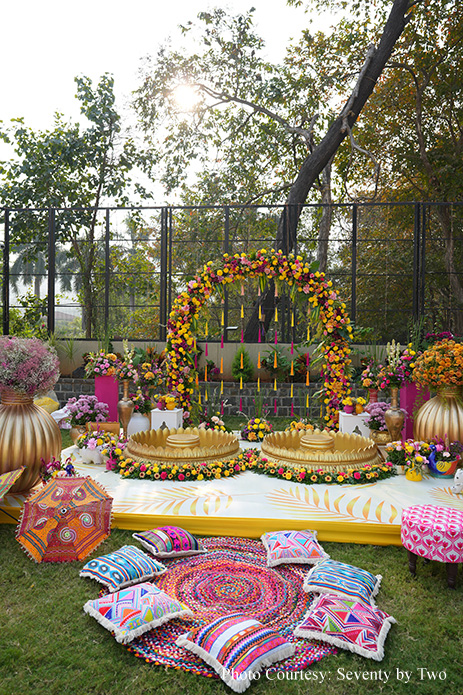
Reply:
x=247, y=460
x=297, y=273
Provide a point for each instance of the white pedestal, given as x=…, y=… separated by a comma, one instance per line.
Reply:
x=348, y=423
x=171, y=418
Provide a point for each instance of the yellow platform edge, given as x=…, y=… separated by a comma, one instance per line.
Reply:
x=335, y=531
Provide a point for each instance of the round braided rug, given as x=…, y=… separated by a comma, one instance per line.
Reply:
x=231, y=577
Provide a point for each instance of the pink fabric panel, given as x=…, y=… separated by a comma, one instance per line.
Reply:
x=435, y=533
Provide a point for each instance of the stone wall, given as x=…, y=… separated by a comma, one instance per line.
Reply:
x=68, y=387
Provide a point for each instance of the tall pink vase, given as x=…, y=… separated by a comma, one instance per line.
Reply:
x=107, y=391
x=411, y=398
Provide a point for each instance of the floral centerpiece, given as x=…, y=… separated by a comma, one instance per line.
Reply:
x=86, y=409
x=214, y=423
x=142, y=403
x=54, y=467
x=255, y=429
x=28, y=366
x=375, y=419
x=369, y=375
x=112, y=448
x=165, y=401
x=126, y=370
x=391, y=375
x=150, y=376
x=96, y=445
x=299, y=425
x=440, y=365
x=101, y=364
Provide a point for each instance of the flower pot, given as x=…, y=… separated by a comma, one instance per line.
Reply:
x=442, y=416
x=349, y=409
x=107, y=391
x=75, y=432
x=413, y=474
x=443, y=469
x=358, y=408
x=171, y=406
x=138, y=423
x=372, y=395
x=27, y=434
x=380, y=437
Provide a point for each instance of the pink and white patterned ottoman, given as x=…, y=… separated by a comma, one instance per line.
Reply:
x=434, y=533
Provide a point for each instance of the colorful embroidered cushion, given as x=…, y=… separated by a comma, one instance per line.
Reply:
x=169, y=541
x=132, y=611
x=332, y=577
x=292, y=547
x=125, y=567
x=236, y=647
x=348, y=624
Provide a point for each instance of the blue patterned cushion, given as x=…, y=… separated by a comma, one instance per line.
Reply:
x=285, y=547
x=348, y=624
x=125, y=567
x=169, y=541
x=130, y=612
x=332, y=577
x=237, y=646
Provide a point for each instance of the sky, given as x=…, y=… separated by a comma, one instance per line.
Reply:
x=45, y=44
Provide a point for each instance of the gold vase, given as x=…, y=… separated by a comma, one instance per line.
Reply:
x=27, y=434
x=76, y=432
x=441, y=416
x=380, y=436
x=394, y=416
x=125, y=407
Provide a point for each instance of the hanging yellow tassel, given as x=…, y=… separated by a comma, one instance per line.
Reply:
x=258, y=384
x=275, y=361
x=292, y=319
x=275, y=385
x=205, y=373
x=207, y=329
x=321, y=412
x=308, y=333
x=199, y=398
x=291, y=373
x=241, y=382
x=242, y=311
x=221, y=366
x=197, y=380
x=276, y=315
x=260, y=313
x=205, y=396
x=222, y=320
x=307, y=379
x=221, y=386
x=242, y=361
x=307, y=401
x=292, y=391
x=194, y=344
x=258, y=360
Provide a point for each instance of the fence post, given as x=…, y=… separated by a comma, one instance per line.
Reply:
x=6, y=275
x=106, y=274
x=163, y=278
x=353, y=300
x=416, y=261
x=423, y=261
x=226, y=249
x=51, y=271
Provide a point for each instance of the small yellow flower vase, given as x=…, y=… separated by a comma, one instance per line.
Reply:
x=358, y=408
x=413, y=474
x=170, y=406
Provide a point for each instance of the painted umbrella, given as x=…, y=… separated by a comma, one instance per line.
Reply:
x=65, y=521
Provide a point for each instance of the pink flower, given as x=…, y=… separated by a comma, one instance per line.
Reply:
x=181, y=476
x=142, y=468
x=163, y=475
x=357, y=475
x=280, y=471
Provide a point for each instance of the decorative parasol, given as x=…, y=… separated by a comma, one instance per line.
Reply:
x=7, y=480
x=65, y=521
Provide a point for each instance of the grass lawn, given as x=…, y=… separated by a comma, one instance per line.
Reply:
x=48, y=646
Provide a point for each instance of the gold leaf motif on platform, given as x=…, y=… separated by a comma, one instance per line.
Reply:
x=292, y=503
x=184, y=501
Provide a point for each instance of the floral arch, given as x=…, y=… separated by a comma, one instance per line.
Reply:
x=290, y=269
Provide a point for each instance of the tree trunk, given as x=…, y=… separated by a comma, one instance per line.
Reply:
x=318, y=159
x=327, y=215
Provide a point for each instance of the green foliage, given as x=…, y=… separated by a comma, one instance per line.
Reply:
x=245, y=372
x=68, y=166
x=281, y=371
